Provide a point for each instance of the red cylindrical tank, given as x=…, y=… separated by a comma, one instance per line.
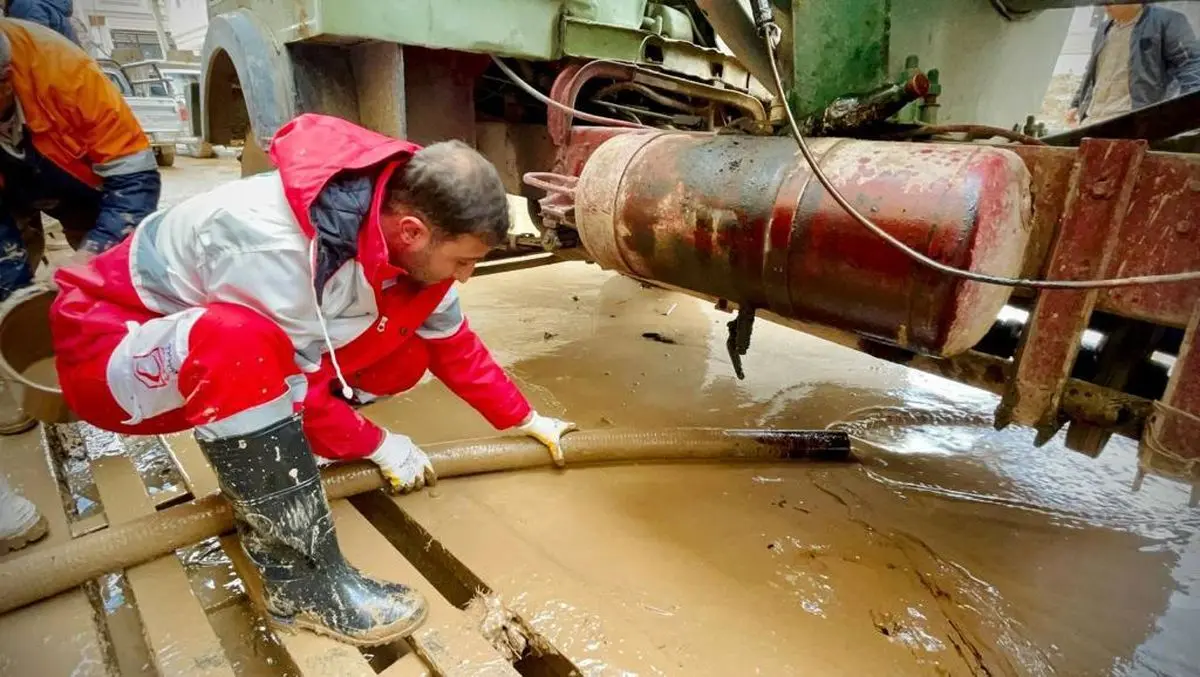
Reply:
x=743, y=218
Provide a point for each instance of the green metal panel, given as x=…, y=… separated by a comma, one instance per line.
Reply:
x=594, y=40
x=626, y=13
x=840, y=47
x=521, y=28
x=287, y=19
x=590, y=40
x=994, y=71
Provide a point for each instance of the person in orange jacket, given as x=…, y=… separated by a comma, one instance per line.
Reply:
x=70, y=148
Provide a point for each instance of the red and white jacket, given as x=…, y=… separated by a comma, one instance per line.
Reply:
x=303, y=246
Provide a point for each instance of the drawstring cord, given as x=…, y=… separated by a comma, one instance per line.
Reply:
x=347, y=391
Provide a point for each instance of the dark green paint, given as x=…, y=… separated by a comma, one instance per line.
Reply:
x=840, y=47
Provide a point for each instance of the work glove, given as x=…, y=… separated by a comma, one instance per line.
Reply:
x=548, y=431
x=403, y=464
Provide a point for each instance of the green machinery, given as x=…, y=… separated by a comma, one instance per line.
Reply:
x=989, y=68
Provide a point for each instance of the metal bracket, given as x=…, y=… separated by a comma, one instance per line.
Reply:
x=738, y=343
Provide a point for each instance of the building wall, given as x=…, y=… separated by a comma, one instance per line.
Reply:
x=993, y=71
x=187, y=21
x=98, y=18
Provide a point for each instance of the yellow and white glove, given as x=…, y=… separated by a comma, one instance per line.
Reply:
x=548, y=431
x=403, y=464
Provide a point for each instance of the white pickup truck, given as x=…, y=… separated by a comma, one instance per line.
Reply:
x=154, y=105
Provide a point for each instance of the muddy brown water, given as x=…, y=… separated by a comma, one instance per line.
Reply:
x=950, y=549
x=43, y=372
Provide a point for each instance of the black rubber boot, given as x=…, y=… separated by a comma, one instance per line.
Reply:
x=286, y=528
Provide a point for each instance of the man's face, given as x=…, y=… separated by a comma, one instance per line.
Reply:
x=428, y=258
x=1123, y=13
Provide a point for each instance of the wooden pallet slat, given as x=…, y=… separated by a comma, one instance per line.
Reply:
x=196, y=471
x=313, y=655
x=483, y=541
x=181, y=640
x=408, y=666
x=59, y=635
x=447, y=641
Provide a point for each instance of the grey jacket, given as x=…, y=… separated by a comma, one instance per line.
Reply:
x=1162, y=51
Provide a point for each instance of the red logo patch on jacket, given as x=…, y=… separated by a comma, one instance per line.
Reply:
x=151, y=368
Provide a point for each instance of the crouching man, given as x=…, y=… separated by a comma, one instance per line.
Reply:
x=253, y=313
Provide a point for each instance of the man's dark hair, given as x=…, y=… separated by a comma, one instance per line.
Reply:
x=453, y=189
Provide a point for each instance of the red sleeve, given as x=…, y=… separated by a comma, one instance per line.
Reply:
x=464, y=364
x=334, y=429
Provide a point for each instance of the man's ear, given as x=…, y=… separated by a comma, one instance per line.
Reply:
x=412, y=231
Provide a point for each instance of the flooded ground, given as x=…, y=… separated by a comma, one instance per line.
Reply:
x=949, y=549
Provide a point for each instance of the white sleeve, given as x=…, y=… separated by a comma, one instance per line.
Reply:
x=445, y=320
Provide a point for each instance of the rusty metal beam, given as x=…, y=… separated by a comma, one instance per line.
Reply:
x=1102, y=183
x=1083, y=402
x=736, y=28
x=1159, y=121
x=1124, y=348
x=1171, y=442
x=509, y=264
x=1160, y=236
x=1157, y=236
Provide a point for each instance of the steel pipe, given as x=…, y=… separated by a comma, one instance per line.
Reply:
x=48, y=571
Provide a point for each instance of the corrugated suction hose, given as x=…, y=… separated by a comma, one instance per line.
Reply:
x=48, y=571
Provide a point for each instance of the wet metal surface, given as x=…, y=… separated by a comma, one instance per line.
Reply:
x=77, y=445
x=951, y=549
x=214, y=581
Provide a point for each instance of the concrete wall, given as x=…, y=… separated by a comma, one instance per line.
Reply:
x=993, y=71
x=187, y=21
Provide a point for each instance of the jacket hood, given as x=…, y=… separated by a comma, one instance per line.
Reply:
x=333, y=174
x=64, y=8
x=329, y=168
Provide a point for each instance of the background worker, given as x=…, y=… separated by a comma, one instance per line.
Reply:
x=1139, y=54
x=70, y=148
x=255, y=313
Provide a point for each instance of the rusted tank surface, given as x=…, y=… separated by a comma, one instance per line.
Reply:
x=744, y=219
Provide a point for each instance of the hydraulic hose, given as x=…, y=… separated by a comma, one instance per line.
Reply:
x=48, y=571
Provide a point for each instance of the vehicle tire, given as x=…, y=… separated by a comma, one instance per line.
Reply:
x=202, y=150
x=165, y=156
x=254, y=158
